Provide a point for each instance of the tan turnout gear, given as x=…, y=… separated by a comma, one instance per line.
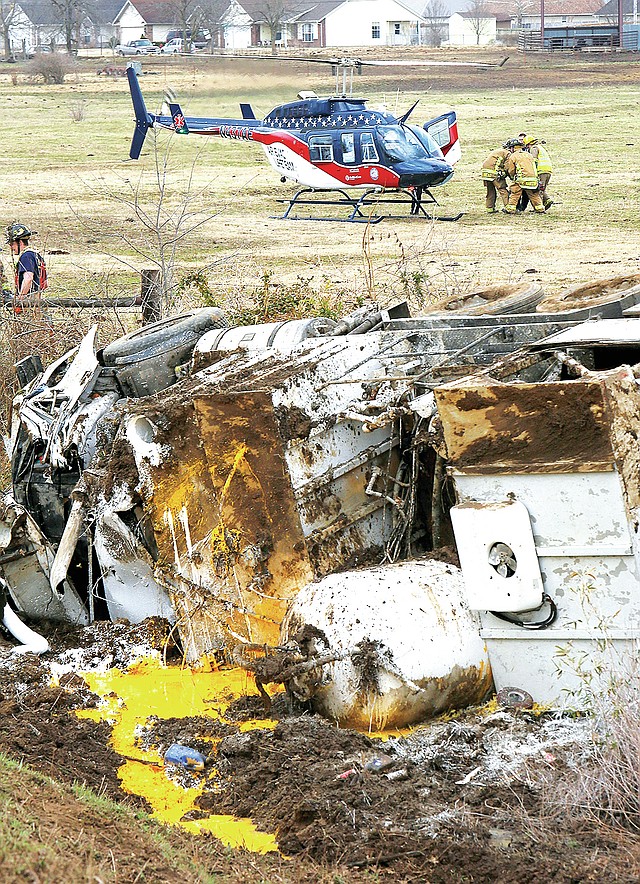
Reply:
x=543, y=164
x=521, y=168
x=493, y=177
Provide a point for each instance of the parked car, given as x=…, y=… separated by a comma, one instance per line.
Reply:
x=32, y=51
x=200, y=39
x=173, y=47
x=137, y=47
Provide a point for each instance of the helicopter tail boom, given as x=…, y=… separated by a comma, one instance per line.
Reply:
x=143, y=118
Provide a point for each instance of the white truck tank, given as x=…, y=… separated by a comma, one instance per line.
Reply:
x=409, y=646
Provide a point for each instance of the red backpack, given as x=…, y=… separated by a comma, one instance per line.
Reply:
x=40, y=281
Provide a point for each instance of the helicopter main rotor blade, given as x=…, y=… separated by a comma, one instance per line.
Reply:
x=359, y=62
x=434, y=64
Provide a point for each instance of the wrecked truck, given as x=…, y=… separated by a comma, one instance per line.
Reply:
x=281, y=486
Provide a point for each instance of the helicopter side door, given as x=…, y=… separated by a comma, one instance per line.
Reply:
x=356, y=149
x=444, y=131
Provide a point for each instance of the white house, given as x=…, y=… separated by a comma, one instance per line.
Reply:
x=145, y=18
x=471, y=29
x=372, y=23
x=338, y=23
x=33, y=24
x=557, y=13
x=235, y=28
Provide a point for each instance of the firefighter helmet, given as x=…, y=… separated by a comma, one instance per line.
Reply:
x=530, y=139
x=513, y=142
x=17, y=231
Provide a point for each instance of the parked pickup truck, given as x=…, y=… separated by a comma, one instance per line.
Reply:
x=137, y=47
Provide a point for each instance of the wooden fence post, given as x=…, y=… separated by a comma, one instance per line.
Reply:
x=151, y=295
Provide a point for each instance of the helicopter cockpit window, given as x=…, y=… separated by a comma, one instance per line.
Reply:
x=368, y=148
x=430, y=144
x=401, y=144
x=321, y=149
x=348, y=147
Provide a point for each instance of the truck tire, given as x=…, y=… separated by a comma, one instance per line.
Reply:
x=492, y=300
x=145, y=360
x=598, y=294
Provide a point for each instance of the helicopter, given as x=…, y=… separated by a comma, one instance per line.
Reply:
x=333, y=145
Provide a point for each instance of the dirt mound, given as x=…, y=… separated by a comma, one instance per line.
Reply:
x=453, y=801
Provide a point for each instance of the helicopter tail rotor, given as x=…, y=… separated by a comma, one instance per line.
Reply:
x=143, y=118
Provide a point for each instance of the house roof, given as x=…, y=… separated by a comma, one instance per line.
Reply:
x=506, y=9
x=153, y=12
x=40, y=12
x=106, y=11
x=567, y=7
x=319, y=11
x=307, y=10
x=294, y=10
x=610, y=9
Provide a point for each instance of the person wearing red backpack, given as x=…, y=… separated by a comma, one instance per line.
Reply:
x=30, y=268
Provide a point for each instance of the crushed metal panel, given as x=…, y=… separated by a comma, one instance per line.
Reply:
x=556, y=427
x=623, y=403
x=130, y=589
x=600, y=332
x=26, y=557
x=584, y=524
x=257, y=544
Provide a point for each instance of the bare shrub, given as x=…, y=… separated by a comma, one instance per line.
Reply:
x=78, y=111
x=601, y=790
x=269, y=300
x=607, y=788
x=51, y=66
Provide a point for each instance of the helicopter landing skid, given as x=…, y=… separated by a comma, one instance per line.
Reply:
x=363, y=209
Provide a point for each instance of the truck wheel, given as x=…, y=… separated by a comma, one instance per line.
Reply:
x=174, y=332
x=145, y=361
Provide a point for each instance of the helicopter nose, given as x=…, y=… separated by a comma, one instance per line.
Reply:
x=426, y=174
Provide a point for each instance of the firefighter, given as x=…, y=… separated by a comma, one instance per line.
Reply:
x=493, y=177
x=29, y=266
x=543, y=164
x=521, y=168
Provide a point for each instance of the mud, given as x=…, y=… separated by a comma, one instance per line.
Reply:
x=624, y=408
x=454, y=801
x=590, y=294
x=547, y=427
x=294, y=423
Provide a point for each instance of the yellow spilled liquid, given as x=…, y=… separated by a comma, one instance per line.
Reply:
x=147, y=688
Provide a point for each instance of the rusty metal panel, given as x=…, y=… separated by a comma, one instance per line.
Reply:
x=547, y=427
x=255, y=512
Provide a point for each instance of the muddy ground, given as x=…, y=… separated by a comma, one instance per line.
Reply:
x=470, y=799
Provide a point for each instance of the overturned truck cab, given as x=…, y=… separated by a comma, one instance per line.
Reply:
x=283, y=486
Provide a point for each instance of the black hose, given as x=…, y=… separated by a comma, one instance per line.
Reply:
x=538, y=624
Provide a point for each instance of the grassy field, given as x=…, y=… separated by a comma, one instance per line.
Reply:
x=73, y=182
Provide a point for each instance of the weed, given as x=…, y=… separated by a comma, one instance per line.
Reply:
x=272, y=301
x=604, y=789
x=78, y=110
x=53, y=67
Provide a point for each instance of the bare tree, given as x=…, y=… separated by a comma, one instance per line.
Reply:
x=186, y=19
x=167, y=209
x=8, y=10
x=72, y=13
x=213, y=16
x=436, y=15
x=519, y=8
x=276, y=14
x=478, y=14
